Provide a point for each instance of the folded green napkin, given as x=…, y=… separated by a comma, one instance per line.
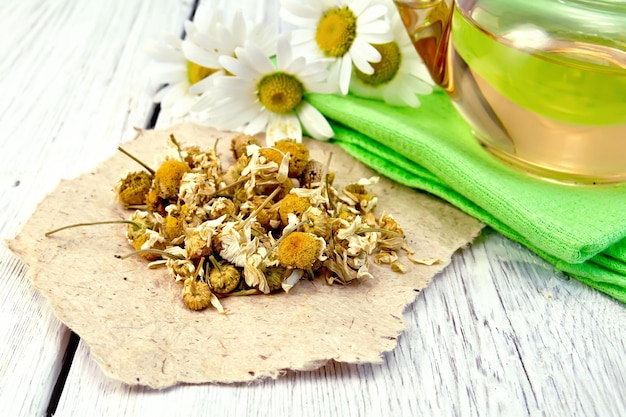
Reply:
x=580, y=230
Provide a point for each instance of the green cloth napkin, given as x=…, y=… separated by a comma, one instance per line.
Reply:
x=580, y=230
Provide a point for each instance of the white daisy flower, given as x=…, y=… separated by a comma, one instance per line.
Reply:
x=261, y=97
x=341, y=32
x=399, y=76
x=209, y=37
x=173, y=74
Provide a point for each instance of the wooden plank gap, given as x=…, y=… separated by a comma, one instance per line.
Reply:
x=68, y=357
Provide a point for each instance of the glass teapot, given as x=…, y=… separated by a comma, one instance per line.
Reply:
x=542, y=83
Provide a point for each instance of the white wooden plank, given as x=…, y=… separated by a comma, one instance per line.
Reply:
x=64, y=107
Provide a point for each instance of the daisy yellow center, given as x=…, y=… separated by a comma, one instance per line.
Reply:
x=387, y=68
x=196, y=73
x=336, y=32
x=280, y=92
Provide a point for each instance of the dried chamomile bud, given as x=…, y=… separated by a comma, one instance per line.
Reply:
x=167, y=178
x=196, y=294
x=134, y=188
x=155, y=204
x=173, y=226
x=149, y=239
x=271, y=154
x=222, y=206
x=224, y=278
x=358, y=196
x=300, y=250
x=312, y=174
x=274, y=276
x=292, y=204
x=142, y=220
x=240, y=142
x=299, y=155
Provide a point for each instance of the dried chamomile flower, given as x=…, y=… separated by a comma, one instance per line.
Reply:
x=196, y=188
x=173, y=224
x=141, y=220
x=299, y=155
x=253, y=272
x=167, y=178
x=206, y=162
x=134, y=188
x=144, y=237
x=240, y=142
x=179, y=267
x=301, y=250
x=271, y=218
x=224, y=277
x=354, y=240
x=267, y=216
x=356, y=195
x=198, y=239
x=292, y=204
x=319, y=222
x=149, y=239
x=262, y=171
x=237, y=242
x=222, y=206
x=196, y=294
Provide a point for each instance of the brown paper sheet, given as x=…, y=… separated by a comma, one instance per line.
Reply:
x=136, y=325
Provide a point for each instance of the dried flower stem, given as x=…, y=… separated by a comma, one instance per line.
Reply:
x=379, y=230
x=134, y=158
x=263, y=205
x=327, y=184
x=69, y=226
x=240, y=181
x=195, y=274
x=251, y=291
x=215, y=263
x=178, y=148
x=155, y=251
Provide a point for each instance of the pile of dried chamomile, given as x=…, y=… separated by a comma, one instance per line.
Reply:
x=257, y=226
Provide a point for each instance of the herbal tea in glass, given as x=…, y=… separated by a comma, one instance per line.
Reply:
x=541, y=83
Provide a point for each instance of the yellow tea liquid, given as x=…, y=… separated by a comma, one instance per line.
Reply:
x=554, y=107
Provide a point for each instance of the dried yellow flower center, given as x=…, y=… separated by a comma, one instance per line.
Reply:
x=280, y=92
x=299, y=250
x=387, y=68
x=196, y=73
x=336, y=32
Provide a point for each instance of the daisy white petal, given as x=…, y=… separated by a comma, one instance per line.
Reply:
x=345, y=71
x=281, y=127
x=314, y=122
x=259, y=122
x=371, y=14
x=203, y=85
x=400, y=76
x=238, y=67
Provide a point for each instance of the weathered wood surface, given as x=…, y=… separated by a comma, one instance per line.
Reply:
x=497, y=333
